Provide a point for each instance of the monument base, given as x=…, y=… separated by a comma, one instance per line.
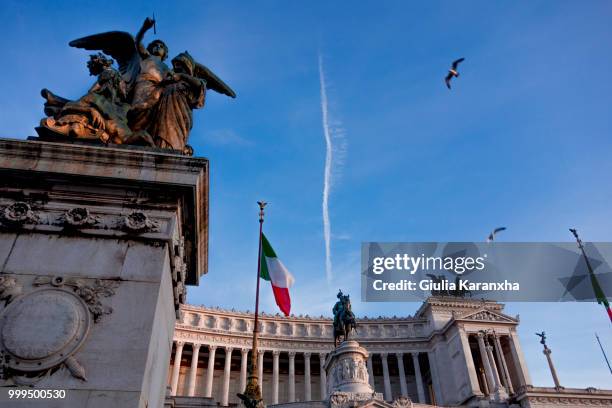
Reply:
x=96, y=246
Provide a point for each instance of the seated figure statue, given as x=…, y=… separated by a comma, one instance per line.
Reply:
x=99, y=114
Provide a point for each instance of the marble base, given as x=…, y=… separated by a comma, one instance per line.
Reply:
x=96, y=247
x=347, y=373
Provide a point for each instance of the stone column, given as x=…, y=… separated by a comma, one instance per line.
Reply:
x=469, y=362
x=387, y=381
x=553, y=372
x=402, y=374
x=518, y=360
x=292, y=376
x=419, y=377
x=244, y=359
x=275, y=355
x=371, y=371
x=435, y=377
x=504, y=366
x=210, y=371
x=307, y=391
x=498, y=386
x=260, y=357
x=194, y=369
x=485, y=362
x=226, y=376
x=322, y=376
x=483, y=378
x=177, y=366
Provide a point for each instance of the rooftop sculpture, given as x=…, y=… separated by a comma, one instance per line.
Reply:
x=143, y=102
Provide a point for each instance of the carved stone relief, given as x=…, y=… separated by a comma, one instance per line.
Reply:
x=80, y=217
x=19, y=213
x=42, y=330
x=139, y=222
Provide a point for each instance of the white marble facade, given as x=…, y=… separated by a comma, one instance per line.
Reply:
x=450, y=352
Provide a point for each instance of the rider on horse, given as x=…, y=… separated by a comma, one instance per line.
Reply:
x=344, y=319
x=338, y=309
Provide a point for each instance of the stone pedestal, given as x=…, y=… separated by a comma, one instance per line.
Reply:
x=96, y=247
x=348, y=380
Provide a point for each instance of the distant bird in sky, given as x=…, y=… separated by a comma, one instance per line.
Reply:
x=491, y=236
x=453, y=72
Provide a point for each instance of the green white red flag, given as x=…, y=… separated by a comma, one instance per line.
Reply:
x=273, y=270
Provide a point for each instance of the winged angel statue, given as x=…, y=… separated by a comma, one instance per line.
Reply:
x=143, y=102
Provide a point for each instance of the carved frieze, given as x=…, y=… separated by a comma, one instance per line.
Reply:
x=54, y=217
x=402, y=402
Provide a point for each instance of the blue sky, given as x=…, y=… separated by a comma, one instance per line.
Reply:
x=523, y=140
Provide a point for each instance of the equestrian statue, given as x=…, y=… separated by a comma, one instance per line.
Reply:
x=344, y=319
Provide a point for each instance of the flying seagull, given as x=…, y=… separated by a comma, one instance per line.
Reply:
x=453, y=72
x=491, y=236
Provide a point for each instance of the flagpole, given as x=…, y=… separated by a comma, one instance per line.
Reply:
x=603, y=352
x=252, y=392
x=592, y=274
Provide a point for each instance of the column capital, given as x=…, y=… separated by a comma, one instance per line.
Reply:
x=322, y=356
x=415, y=354
x=212, y=347
x=307, y=355
x=260, y=352
x=228, y=349
x=480, y=335
x=384, y=355
x=244, y=351
x=291, y=354
x=196, y=346
x=399, y=354
x=180, y=343
x=276, y=353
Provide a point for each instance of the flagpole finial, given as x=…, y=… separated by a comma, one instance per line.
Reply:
x=262, y=205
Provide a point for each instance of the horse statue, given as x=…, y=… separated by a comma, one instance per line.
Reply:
x=344, y=319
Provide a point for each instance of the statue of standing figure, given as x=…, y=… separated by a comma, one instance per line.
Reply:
x=143, y=102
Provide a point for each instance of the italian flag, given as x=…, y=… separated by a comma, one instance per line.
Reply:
x=273, y=270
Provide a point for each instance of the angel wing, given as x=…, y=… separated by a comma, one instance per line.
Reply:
x=119, y=45
x=457, y=62
x=213, y=81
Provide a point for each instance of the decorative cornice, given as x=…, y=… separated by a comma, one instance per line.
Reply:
x=299, y=318
x=565, y=397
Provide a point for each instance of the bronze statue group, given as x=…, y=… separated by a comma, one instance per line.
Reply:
x=143, y=102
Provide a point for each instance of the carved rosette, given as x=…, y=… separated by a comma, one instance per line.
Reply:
x=79, y=217
x=139, y=222
x=19, y=213
x=42, y=330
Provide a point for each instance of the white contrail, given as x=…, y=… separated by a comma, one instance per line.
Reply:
x=328, y=171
